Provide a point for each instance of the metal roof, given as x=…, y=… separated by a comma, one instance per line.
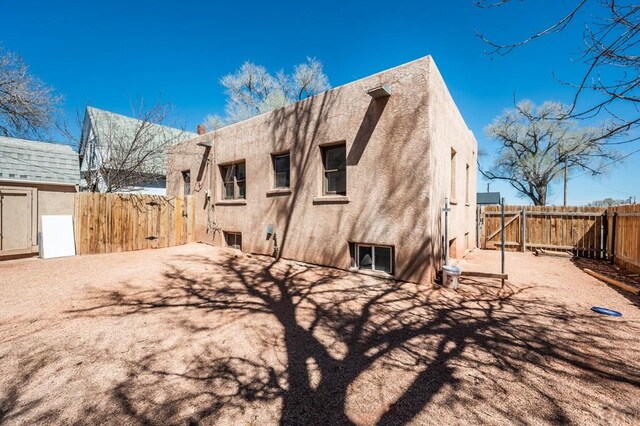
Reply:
x=31, y=161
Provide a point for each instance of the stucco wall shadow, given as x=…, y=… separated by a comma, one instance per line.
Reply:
x=397, y=153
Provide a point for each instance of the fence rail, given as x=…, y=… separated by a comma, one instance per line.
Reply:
x=106, y=223
x=581, y=229
x=603, y=233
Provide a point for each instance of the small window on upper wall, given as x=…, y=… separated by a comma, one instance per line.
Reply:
x=466, y=185
x=233, y=181
x=186, y=182
x=282, y=170
x=334, y=162
x=453, y=174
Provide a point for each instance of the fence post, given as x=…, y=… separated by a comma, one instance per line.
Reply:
x=502, y=238
x=603, y=218
x=477, y=226
x=524, y=229
x=613, y=237
x=446, y=231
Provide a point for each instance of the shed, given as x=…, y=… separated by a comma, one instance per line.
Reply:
x=36, y=178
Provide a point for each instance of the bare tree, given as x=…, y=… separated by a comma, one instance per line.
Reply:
x=540, y=144
x=27, y=105
x=308, y=79
x=213, y=122
x=609, y=54
x=252, y=90
x=120, y=154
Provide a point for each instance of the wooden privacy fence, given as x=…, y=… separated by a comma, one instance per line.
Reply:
x=603, y=233
x=580, y=229
x=106, y=223
x=623, y=241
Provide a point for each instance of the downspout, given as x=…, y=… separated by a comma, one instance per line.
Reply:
x=446, y=231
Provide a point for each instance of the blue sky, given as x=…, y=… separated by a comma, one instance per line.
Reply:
x=110, y=53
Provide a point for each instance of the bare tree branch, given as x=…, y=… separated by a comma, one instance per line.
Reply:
x=537, y=143
x=27, y=105
x=610, y=55
x=121, y=153
x=252, y=90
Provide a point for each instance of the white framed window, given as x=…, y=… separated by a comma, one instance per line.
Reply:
x=374, y=258
x=233, y=240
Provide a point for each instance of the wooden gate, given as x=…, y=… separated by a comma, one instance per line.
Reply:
x=579, y=229
x=106, y=223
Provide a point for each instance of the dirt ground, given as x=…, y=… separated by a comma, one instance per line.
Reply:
x=610, y=270
x=199, y=335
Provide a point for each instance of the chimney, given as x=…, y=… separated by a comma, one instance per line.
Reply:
x=201, y=129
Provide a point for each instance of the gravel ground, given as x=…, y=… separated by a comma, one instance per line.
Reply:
x=201, y=335
x=610, y=270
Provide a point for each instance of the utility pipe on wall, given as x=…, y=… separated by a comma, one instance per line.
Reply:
x=446, y=231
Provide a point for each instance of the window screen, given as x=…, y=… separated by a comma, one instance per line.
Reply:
x=282, y=169
x=335, y=170
x=370, y=257
x=233, y=240
x=383, y=259
x=233, y=181
x=365, y=257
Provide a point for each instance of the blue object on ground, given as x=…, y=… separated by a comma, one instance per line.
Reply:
x=606, y=311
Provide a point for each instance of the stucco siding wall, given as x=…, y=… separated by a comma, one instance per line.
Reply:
x=55, y=201
x=449, y=131
x=390, y=175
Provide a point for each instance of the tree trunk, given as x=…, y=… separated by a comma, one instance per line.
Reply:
x=566, y=175
x=543, y=196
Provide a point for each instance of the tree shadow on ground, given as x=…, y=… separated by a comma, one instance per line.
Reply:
x=329, y=347
x=611, y=270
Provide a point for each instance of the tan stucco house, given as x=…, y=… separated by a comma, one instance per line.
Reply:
x=36, y=178
x=354, y=178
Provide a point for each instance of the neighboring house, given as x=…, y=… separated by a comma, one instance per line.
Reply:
x=124, y=154
x=354, y=178
x=36, y=178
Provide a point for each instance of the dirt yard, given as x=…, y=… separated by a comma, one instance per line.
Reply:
x=198, y=335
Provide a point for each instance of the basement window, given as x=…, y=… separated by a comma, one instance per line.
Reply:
x=282, y=170
x=372, y=257
x=233, y=240
x=233, y=181
x=334, y=162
